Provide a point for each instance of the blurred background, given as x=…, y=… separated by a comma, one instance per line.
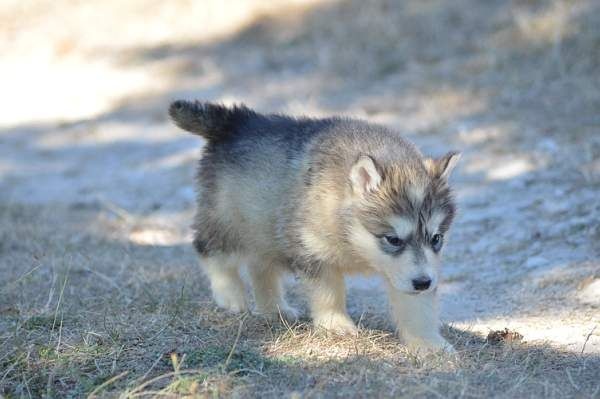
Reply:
x=87, y=150
x=86, y=84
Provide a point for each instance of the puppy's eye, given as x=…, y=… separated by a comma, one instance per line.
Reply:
x=436, y=242
x=394, y=241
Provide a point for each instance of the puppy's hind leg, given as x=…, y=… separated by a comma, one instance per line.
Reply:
x=225, y=281
x=268, y=289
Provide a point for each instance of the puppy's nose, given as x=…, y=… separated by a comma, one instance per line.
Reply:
x=421, y=283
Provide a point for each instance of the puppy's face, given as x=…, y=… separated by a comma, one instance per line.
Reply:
x=400, y=217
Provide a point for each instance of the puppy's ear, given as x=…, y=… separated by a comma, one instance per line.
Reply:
x=364, y=176
x=443, y=166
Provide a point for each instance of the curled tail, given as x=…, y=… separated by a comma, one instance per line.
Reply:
x=212, y=121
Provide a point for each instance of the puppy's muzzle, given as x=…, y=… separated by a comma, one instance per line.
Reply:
x=421, y=283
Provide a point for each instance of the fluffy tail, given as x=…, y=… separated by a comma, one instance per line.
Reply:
x=212, y=121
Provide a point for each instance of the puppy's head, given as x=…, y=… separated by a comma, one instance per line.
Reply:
x=400, y=213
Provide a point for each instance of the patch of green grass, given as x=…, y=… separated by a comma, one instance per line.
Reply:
x=186, y=385
x=241, y=360
x=39, y=322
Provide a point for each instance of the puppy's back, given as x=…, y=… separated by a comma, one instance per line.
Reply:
x=251, y=165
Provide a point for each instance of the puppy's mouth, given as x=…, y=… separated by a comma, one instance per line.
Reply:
x=413, y=292
x=416, y=293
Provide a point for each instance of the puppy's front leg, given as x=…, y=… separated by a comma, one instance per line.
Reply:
x=328, y=302
x=417, y=320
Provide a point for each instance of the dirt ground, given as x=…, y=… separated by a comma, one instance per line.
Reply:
x=101, y=294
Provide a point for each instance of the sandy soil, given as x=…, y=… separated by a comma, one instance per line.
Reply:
x=86, y=148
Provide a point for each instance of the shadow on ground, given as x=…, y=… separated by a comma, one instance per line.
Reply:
x=82, y=302
x=80, y=308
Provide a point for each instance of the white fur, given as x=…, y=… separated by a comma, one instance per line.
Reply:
x=416, y=192
x=268, y=290
x=402, y=225
x=399, y=270
x=225, y=282
x=417, y=320
x=433, y=224
x=415, y=314
x=317, y=244
x=328, y=303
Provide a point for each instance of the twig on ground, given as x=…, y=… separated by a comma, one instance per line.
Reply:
x=588, y=338
x=237, y=338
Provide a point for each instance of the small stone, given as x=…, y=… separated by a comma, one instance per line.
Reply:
x=501, y=336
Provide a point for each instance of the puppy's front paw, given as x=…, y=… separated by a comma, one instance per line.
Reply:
x=337, y=323
x=429, y=345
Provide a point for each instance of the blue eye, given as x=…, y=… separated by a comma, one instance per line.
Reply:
x=436, y=242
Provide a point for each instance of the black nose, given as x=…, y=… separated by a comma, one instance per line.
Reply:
x=421, y=283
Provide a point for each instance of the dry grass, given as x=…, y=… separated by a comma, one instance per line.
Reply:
x=83, y=314
x=100, y=291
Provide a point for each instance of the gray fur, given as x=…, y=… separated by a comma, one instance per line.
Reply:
x=279, y=167
x=266, y=182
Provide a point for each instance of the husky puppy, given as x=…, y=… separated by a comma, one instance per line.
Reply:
x=322, y=198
